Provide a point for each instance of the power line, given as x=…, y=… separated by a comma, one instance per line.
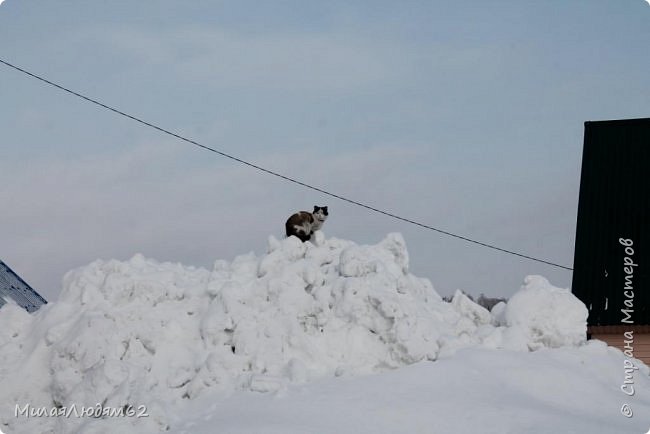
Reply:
x=279, y=175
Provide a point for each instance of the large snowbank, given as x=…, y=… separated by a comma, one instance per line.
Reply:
x=140, y=331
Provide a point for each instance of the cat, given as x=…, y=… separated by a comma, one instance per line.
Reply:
x=303, y=224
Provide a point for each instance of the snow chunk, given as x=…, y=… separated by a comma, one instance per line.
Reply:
x=499, y=313
x=548, y=316
x=466, y=307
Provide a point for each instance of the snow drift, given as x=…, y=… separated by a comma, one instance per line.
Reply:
x=125, y=333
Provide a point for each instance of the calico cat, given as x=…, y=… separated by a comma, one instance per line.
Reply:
x=303, y=224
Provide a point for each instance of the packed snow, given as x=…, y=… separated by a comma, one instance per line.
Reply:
x=569, y=390
x=170, y=337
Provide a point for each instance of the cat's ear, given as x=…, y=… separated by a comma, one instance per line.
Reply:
x=316, y=208
x=325, y=210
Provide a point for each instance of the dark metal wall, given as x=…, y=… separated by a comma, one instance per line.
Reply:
x=614, y=204
x=15, y=288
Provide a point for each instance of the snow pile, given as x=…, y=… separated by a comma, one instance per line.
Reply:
x=127, y=333
x=548, y=316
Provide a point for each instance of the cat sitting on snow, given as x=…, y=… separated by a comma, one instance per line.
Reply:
x=303, y=224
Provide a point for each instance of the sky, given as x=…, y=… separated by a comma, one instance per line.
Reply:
x=466, y=116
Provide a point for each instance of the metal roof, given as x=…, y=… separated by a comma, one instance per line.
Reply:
x=14, y=288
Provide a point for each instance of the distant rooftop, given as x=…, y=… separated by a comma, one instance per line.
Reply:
x=14, y=288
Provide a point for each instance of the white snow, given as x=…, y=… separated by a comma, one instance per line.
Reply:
x=285, y=324
x=565, y=390
x=548, y=316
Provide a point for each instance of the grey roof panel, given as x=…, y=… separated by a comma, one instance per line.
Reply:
x=15, y=288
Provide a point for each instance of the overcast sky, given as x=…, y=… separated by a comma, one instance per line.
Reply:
x=467, y=116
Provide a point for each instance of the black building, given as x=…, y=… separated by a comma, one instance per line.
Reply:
x=612, y=252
